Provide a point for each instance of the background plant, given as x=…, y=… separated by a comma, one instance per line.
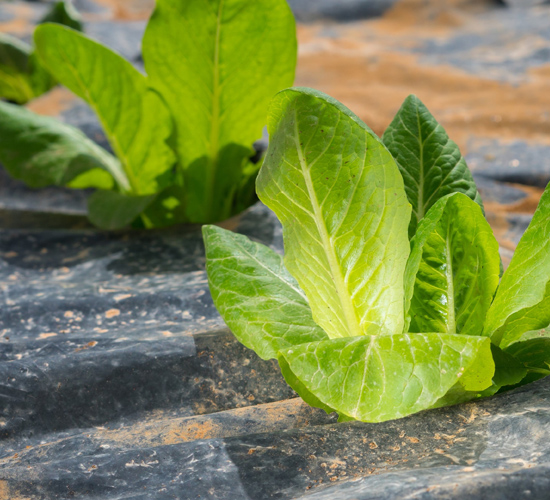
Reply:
x=22, y=76
x=182, y=135
x=372, y=313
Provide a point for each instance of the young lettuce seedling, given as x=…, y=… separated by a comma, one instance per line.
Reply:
x=182, y=135
x=22, y=76
x=362, y=320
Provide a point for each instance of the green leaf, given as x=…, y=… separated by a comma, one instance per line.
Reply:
x=40, y=78
x=63, y=13
x=166, y=209
x=256, y=296
x=507, y=374
x=453, y=271
x=533, y=350
x=340, y=199
x=42, y=151
x=112, y=210
x=133, y=117
x=374, y=379
x=22, y=78
x=15, y=82
x=532, y=376
x=431, y=164
x=458, y=395
x=89, y=173
x=509, y=369
x=296, y=384
x=522, y=301
x=245, y=195
x=217, y=64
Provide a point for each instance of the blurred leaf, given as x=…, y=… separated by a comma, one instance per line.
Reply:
x=134, y=118
x=22, y=78
x=217, y=64
x=64, y=13
x=112, y=210
x=42, y=151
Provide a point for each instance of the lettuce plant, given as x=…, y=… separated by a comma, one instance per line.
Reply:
x=183, y=134
x=373, y=313
x=22, y=76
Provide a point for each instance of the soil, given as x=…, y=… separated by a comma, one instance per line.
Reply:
x=368, y=66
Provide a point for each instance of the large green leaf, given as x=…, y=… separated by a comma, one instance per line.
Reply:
x=293, y=381
x=134, y=118
x=166, y=209
x=112, y=210
x=15, y=82
x=218, y=63
x=453, y=271
x=431, y=164
x=509, y=369
x=508, y=372
x=533, y=350
x=340, y=198
x=42, y=151
x=522, y=301
x=40, y=78
x=255, y=295
x=22, y=78
x=379, y=378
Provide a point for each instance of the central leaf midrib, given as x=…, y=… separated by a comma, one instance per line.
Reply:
x=363, y=385
x=335, y=271
x=130, y=182
x=451, y=320
x=420, y=201
x=215, y=121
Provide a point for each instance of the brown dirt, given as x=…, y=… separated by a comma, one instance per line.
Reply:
x=160, y=431
x=20, y=24
x=365, y=67
x=128, y=10
x=526, y=205
x=6, y=493
x=437, y=15
x=53, y=103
